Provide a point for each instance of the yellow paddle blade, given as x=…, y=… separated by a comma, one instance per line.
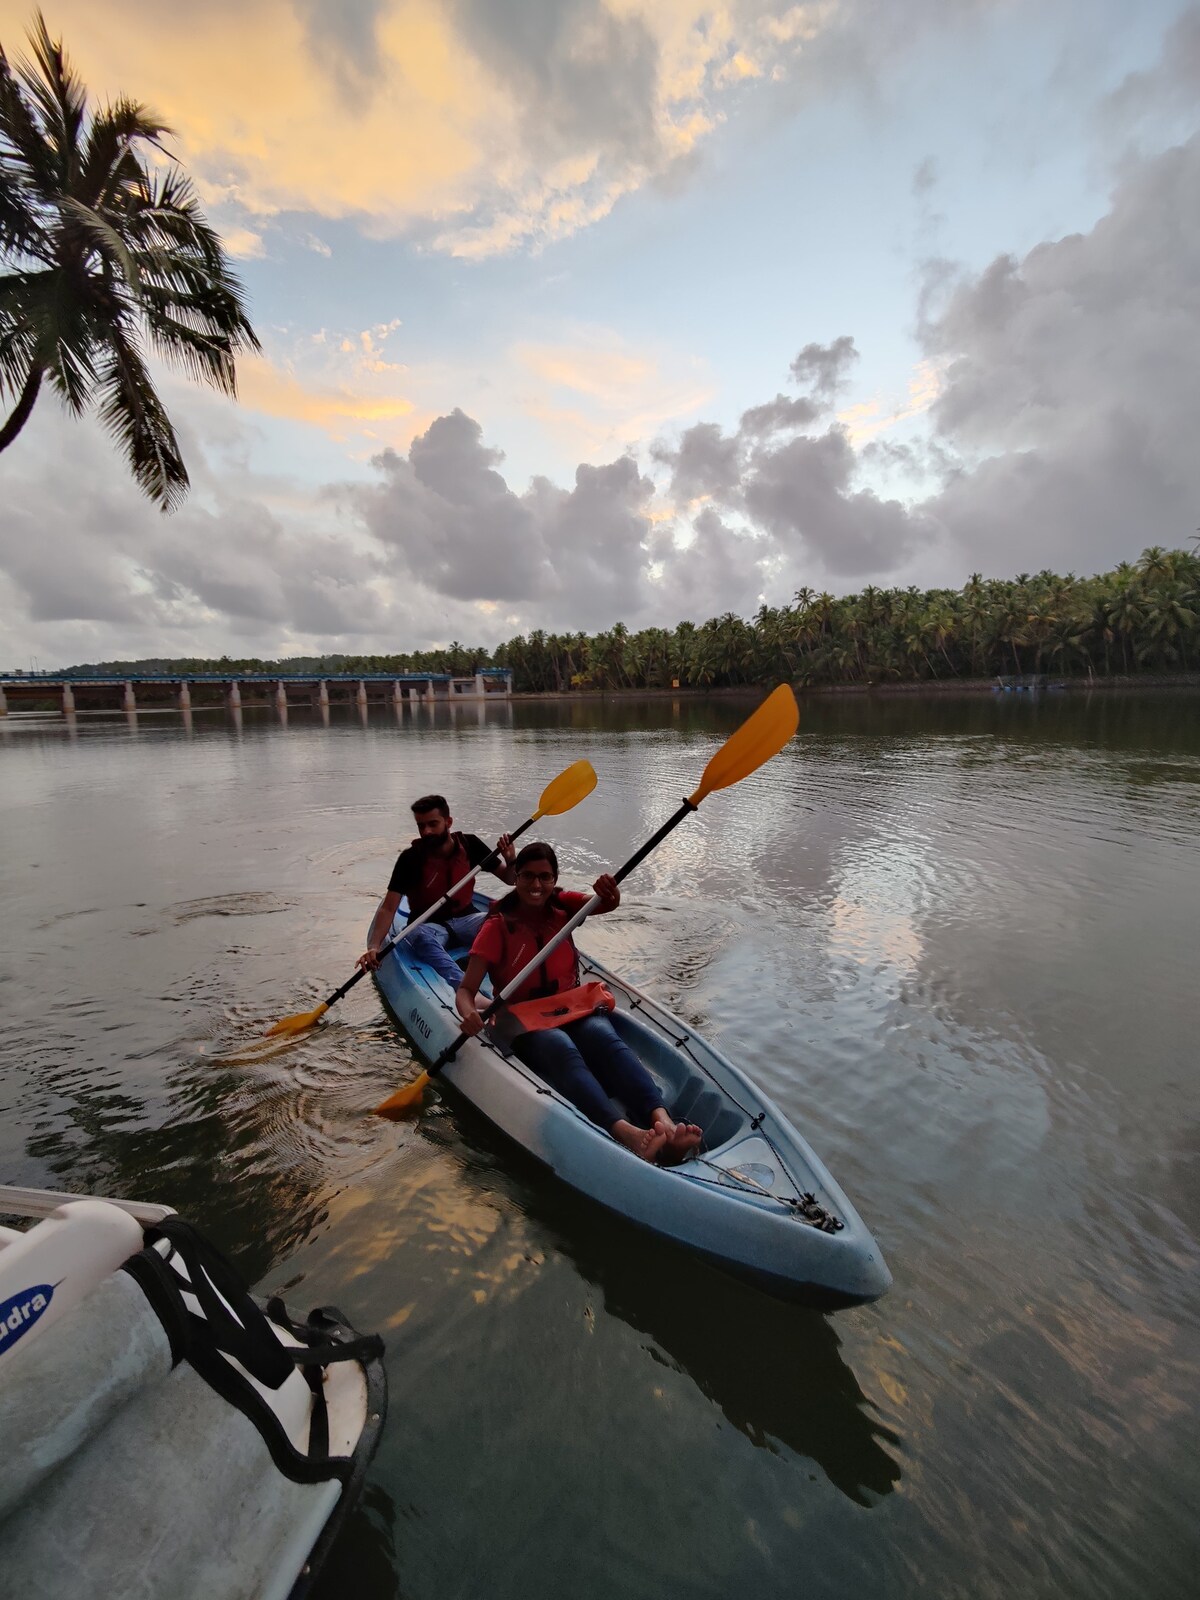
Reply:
x=404, y=1099
x=763, y=735
x=298, y=1023
x=567, y=790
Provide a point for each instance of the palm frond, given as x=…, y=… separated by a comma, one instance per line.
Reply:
x=110, y=167
x=203, y=355
x=57, y=92
x=216, y=304
x=19, y=231
x=125, y=254
x=105, y=240
x=25, y=156
x=167, y=211
x=66, y=354
x=18, y=356
x=130, y=409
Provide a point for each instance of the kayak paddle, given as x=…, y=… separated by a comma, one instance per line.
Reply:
x=763, y=734
x=571, y=786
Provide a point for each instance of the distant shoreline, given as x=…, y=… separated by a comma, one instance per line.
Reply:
x=922, y=686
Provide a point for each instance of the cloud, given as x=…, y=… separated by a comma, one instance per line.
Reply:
x=339, y=412
x=706, y=464
x=1068, y=396
x=493, y=124
x=825, y=368
x=1162, y=92
x=595, y=393
x=449, y=514
x=1050, y=422
x=244, y=243
x=799, y=490
x=779, y=415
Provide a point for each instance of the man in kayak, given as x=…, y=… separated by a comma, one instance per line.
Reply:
x=586, y=1060
x=427, y=871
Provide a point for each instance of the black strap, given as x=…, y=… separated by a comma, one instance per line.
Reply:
x=234, y=1325
x=324, y=1337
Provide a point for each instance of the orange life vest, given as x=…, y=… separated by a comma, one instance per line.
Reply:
x=559, y=971
x=438, y=874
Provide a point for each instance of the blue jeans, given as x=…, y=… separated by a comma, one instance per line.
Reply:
x=590, y=1064
x=431, y=940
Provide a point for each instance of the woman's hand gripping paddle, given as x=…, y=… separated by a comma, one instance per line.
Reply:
x=561, y=794
x=762, y=735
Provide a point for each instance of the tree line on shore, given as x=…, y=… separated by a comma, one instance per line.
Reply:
x=1143, y=617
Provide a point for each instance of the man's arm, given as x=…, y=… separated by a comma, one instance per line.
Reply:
x=478, y=853
x=380, y=928
x=504, y=870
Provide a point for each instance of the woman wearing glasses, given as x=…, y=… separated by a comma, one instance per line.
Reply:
x=587, y=1061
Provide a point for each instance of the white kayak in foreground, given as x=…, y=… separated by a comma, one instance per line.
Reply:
x=756, y=1201
x=163, y=1434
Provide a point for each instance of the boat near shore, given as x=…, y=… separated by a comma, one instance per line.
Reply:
x=756, y=1200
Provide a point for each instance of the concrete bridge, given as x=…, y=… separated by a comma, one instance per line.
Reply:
x=95, y=692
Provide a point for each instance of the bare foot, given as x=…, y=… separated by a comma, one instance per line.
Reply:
x=660, y=1117
x=684, y=1141
x=647, y=1143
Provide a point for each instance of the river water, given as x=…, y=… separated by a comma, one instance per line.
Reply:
x=955, y=940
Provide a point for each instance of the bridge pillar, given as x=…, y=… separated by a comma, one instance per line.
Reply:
x=323, y=695
x=480, y=686
x=128, y=699
x=68, y=700
x=3, y=704
x=398, y=692
x=185, y=695
x=281, y=695
x=362, y=693
x=429, y=690
x=235, y=695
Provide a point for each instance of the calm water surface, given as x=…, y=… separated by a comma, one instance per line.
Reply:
x=955, y=940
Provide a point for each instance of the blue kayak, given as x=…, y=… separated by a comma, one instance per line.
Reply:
x=755, y=1201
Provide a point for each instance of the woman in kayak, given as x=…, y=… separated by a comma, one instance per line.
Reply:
x=587, y=1061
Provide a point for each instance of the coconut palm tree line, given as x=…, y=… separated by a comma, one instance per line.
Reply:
x=1142, y=618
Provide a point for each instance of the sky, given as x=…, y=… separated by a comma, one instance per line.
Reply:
x=584, y=311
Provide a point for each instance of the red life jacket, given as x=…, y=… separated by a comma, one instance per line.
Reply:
x=522, y=942
x=438, y=875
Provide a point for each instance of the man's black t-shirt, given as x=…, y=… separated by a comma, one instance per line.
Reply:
x=409, y=873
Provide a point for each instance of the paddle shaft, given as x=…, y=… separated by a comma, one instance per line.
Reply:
x=390, y=944
x=565, y=932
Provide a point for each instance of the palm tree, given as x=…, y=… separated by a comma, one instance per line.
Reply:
x=106, y=257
